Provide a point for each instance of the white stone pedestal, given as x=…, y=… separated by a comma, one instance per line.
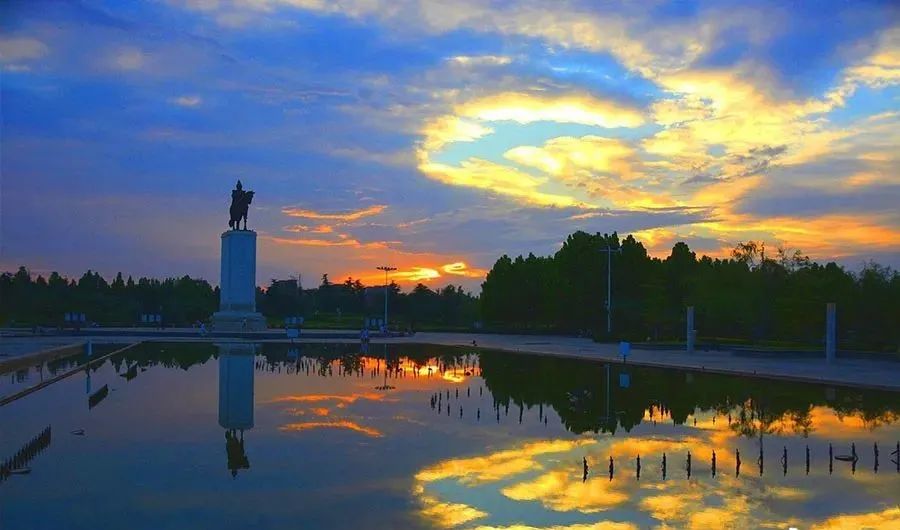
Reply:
x=237, y=285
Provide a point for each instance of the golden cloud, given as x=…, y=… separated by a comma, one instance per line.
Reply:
x=438, y=132
x=353, y=215
x=460, y=268
x=318, y=229
x=880, y=69
x=416, y=274
x=496, y=178
x=342, y=242
x=564, y=155
x=827, y=235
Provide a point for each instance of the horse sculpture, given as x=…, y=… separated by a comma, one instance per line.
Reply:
x=240, y=204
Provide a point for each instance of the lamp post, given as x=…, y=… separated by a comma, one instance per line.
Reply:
x=386, y=270
x=609, y=250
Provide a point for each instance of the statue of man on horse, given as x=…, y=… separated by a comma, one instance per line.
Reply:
x=240, y=203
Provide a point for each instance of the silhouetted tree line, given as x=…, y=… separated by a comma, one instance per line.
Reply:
x=45, y=301
x=447, y=306
x=751, y=296
x=28, y=300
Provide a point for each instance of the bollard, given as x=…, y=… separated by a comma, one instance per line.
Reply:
x=830, y=459
x=624, y=350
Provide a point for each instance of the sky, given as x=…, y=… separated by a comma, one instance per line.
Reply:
x=435, y=136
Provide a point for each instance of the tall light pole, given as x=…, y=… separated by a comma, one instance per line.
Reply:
x=386, y=270
x=609, y=250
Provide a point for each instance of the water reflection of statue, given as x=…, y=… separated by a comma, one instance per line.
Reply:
x=240, y=205
x=234, y=448
x=236, y=400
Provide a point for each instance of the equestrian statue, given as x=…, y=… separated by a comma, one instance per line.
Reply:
x=240, y=203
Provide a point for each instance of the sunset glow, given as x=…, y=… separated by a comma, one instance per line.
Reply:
x=439, y=136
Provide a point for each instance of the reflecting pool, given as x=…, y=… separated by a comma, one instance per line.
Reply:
x=238, y=435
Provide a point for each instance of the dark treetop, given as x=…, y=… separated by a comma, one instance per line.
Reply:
x=240, y=203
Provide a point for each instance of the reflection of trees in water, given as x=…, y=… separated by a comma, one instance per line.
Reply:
x=575, y=388
x=757, y=407
x=170, y=355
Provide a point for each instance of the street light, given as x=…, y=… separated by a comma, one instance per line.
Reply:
x=609, y=250
x=386, y=270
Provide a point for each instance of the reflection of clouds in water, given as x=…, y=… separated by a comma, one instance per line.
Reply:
x=548, y=473
x=314, y=411
x=445, y=514
x=498, y=465
x=562, y=490
x=336, y=424
x=828, y=423
x=315, y=398
x=600, y=525
x=887, y=519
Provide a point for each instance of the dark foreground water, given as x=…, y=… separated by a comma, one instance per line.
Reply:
x=318, y=436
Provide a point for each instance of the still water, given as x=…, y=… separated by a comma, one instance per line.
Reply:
x=322, y=436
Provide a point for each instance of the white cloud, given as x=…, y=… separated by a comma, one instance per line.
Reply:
x=480, y=60
x=16, y=50
x=186, y=101
x=129, y=58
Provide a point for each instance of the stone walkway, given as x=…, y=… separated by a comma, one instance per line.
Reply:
x=16, y=347
x=851, y=372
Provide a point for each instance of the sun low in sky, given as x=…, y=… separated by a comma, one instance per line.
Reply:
x=435, y=136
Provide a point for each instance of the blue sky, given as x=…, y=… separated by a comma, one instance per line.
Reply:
x=427, y=134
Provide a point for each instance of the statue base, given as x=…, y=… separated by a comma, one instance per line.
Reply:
x=237, y=296
x=238, y=321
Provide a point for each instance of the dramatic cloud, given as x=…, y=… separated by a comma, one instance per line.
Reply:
x=441, y=135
